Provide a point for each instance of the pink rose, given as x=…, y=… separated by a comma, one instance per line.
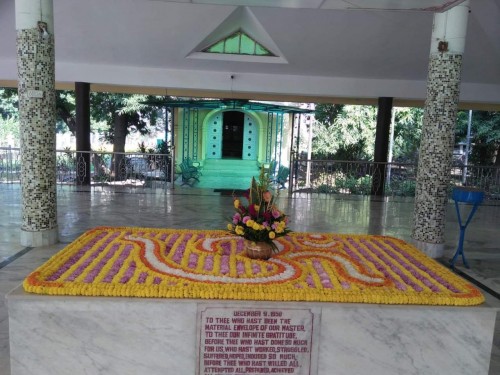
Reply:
x=236, y=218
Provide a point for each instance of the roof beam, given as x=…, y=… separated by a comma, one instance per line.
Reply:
x=193, y=93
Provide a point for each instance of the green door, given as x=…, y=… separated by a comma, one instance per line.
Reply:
x=214, y=137
x=250, y=139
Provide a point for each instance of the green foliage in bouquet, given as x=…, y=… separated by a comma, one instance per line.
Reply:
x=260, y=219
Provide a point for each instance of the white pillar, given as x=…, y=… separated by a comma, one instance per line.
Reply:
x=29, y=12
x=37, y=120
x=450, y=27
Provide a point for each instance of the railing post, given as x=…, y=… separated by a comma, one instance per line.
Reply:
x=9, y=164
x=291, y=174
x=172, y=168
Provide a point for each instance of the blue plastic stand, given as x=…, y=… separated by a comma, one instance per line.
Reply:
x=469, y=196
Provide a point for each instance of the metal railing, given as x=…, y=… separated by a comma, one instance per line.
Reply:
x=10, y=165
x=396, y=179
x=97, y=168
x=310, y=176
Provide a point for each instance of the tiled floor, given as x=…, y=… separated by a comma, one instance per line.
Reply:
x=79, y=210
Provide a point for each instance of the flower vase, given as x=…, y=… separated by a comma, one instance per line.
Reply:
x=258, y=250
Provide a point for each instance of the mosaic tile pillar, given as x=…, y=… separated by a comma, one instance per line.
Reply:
x=438, y=130
x=37, y=119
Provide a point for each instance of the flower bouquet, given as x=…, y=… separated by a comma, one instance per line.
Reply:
x=260, y=221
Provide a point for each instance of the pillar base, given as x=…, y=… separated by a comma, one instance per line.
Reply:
x=41, y=238
x=433, y=250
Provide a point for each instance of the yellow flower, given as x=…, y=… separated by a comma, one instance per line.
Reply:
x=236, y=203
x=272, y=235
x=239, y=230
x=256, y=226
x=280, y=227
x=230, y=226
x=250, y=223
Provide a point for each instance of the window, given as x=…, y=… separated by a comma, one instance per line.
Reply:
x=238, y=43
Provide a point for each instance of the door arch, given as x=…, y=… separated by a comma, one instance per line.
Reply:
x=247, y=123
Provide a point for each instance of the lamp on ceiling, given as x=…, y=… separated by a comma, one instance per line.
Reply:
x=443, y=46
x=42, y=29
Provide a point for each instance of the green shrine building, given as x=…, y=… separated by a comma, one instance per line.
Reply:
x=231, y=139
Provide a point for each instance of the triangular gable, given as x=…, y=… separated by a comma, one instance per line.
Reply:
x=240, y=37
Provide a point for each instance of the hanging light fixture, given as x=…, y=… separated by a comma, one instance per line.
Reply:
x=42, y=29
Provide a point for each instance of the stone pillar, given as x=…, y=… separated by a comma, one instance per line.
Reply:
x=384, y=116
x=438, y=130
x=37, y=120
x=82, y=99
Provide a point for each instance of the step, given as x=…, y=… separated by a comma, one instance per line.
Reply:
x=224, y=183
x=229, y=164
x=227, y=174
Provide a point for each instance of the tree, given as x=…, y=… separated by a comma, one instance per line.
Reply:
x=125, y=114
x=328, y=113
x=8, y=103
x=122, y=114
x=65, y=108
x=344, y=132
x=485, y=136
x=9, y=132
x=407, y=132
x=65, y=111
x=9, y=118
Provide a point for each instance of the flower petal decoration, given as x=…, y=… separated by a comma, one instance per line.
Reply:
x=173, y=263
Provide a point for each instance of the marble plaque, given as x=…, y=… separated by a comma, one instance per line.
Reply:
x=246, y=340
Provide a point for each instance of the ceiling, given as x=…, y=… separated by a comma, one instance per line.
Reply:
x=420, y=5
x=328, y=51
